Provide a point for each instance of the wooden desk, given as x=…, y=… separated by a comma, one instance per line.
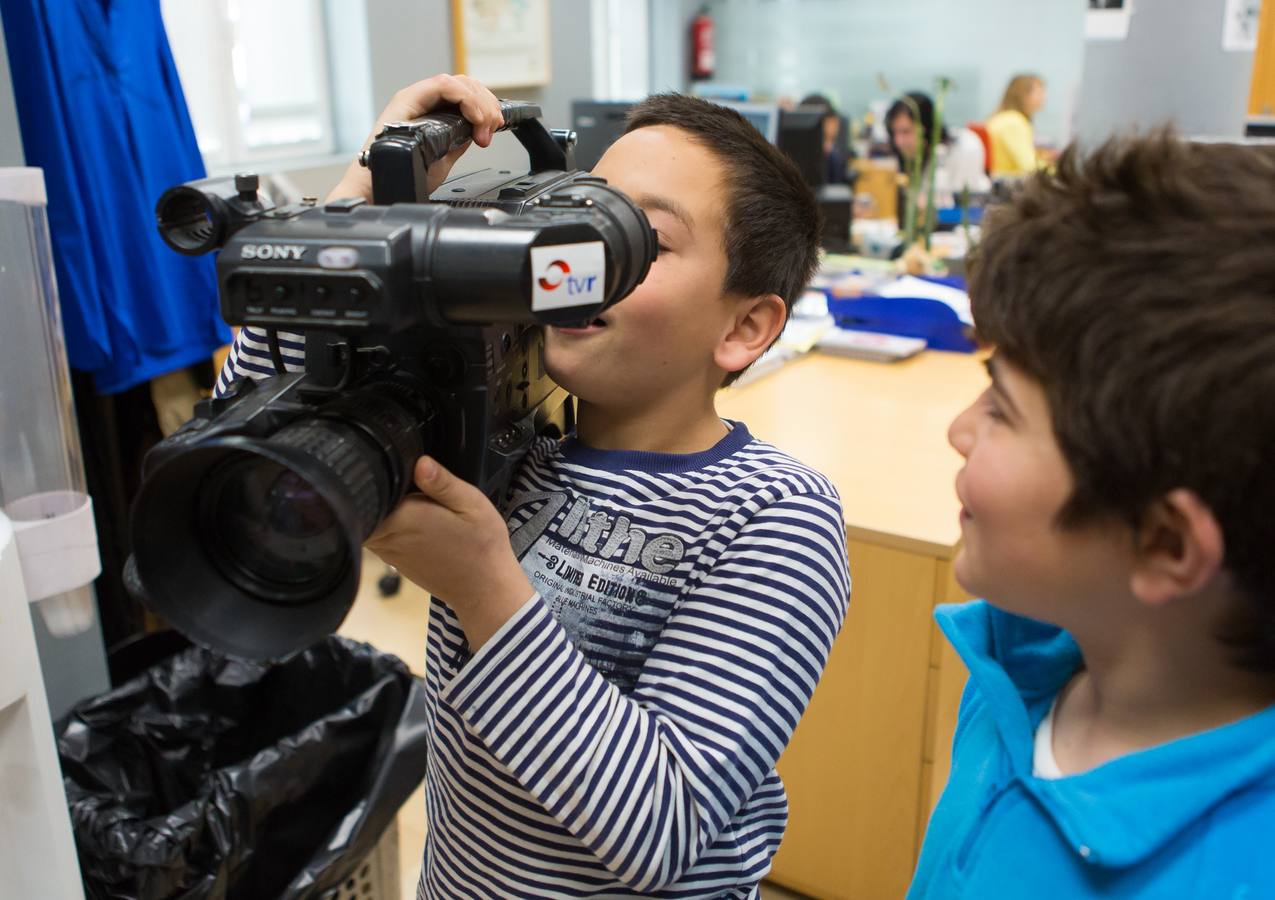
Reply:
x=871, y=754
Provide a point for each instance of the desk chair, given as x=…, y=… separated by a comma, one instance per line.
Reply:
x=981, y=130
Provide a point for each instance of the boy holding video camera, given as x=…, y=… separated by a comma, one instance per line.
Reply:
x=616, y=660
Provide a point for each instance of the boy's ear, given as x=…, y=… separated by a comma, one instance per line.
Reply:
x=755, y=325
x=1180, y=549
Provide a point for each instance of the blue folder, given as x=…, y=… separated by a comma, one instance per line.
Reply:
x=920, y=317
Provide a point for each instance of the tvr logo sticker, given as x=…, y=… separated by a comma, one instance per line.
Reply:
x=567, y=275
x=552, y=279
x=559, y=273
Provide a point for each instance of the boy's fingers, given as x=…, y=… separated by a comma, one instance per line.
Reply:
x=476, y=102
x=442, y=486
x=392, y=524
x=422, y=96
x=480, y=107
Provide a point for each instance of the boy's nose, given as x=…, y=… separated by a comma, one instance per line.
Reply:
x=960, y=434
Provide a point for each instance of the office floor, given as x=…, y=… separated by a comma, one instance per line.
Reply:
x=397, y=625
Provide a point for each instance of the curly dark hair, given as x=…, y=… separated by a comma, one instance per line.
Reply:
x=1137, y=284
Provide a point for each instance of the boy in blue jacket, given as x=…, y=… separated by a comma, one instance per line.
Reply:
x=1117, y=486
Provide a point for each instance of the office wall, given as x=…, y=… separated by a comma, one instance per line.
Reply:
x=838, y=47
x=409, y=40
x=1170, y=67
x=669, y=48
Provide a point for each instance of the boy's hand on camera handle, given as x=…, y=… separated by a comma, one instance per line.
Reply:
x=451, y=541
x=477, y=104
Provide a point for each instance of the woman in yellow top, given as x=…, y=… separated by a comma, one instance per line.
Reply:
x=1010, y=129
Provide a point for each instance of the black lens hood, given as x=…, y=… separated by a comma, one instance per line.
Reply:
x=177, y=565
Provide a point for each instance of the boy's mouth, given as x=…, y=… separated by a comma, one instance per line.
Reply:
x=590, y=328
x=964, y=515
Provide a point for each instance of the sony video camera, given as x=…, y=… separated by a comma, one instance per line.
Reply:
x=421, y=318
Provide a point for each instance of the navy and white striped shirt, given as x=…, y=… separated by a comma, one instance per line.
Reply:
x=250, y=356
x=618, y=736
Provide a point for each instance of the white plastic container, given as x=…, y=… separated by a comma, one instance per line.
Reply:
x=37, y=850
x=41, y=465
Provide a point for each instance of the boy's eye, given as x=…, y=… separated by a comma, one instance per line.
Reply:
x=992, y=409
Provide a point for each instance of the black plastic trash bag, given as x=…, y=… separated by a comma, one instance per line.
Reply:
x=210, y=777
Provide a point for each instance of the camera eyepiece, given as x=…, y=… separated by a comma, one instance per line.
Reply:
x=197, y=218
x=188, y=223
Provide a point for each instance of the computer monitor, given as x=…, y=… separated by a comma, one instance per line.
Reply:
x=763, y=116
x=597, y=124
x=801, y=137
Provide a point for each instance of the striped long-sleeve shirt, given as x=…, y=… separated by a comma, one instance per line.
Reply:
x=618, y=736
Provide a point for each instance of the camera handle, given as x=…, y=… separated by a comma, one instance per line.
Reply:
x=402, y=153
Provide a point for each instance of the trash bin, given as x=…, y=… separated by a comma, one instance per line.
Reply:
x=212, y=777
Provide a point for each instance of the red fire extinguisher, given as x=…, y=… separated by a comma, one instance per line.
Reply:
x=702, y=58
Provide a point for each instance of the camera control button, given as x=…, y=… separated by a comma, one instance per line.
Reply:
x=338, y=258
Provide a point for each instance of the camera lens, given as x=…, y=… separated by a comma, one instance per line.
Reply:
x=278, y=538
x=252, y=545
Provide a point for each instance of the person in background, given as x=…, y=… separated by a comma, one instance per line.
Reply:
x=835, y=155
x=1116, y=737
x=910, y=123
x=1010, y=130
x=957, y=157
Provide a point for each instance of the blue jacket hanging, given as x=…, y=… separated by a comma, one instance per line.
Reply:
x=102, y=113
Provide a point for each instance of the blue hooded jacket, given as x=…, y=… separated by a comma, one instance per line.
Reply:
x=103, y=114
x=1192, y=818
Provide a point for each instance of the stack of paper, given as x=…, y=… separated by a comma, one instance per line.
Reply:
x=869, y=345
